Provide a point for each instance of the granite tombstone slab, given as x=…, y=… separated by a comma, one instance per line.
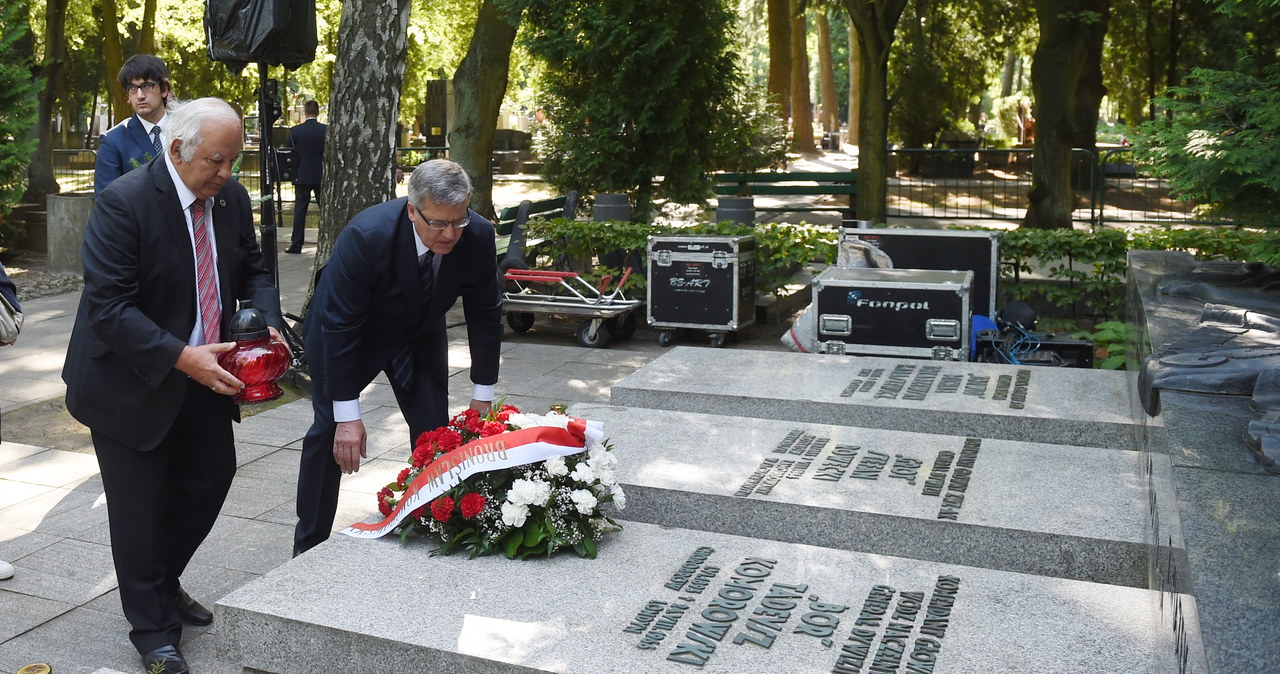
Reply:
x=674, y=600
x=1067, y=511
x=1038, y=404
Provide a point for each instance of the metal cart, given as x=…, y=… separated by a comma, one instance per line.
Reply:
x=536, y=291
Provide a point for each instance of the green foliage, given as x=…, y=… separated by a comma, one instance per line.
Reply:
x=1112, y=337
x=753, y=138
x=780, y=247
x=1087, y=268
x=633, y=91
x=1222, y=147
x=17, y=112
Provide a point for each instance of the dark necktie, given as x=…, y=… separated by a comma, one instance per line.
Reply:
x=155, y=139
x=401, y=370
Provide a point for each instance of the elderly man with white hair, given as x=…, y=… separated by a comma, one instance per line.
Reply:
x=168, y=250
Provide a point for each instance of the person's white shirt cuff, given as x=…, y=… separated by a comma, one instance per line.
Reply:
x=346, y=410
x=482, y=392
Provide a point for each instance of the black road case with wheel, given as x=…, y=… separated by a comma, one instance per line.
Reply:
x=701, y=282
x=977, y=251
x=893, y=312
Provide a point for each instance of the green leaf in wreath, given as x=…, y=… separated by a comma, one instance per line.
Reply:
x=511, y=544
x=534, y=535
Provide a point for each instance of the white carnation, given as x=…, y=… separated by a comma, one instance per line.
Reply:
x=514, y=515
x=556, y=466
x=584, y=500
x=600, y=457
x=605, y=474
x=583, y=472
x=529, y=492
x=619, y=498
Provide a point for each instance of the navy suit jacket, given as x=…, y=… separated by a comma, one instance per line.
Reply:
x=9, y=290
x=139, y=304
x=121, y=149
x=367, y=304
x=307, y=140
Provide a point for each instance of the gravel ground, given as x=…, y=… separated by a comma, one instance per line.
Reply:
x=30, y=272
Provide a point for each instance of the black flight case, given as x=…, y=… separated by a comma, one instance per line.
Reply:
x=701, y=282
x=975, y=250
x=912, y=313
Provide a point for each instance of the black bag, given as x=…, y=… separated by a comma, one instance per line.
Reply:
x=275, y=32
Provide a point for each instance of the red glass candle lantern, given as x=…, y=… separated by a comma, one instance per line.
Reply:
x=258, y=360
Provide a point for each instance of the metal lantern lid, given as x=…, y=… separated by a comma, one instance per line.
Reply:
x=248, y=323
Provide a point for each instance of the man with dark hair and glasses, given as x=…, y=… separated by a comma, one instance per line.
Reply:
x=139, y=138
x=379, y=306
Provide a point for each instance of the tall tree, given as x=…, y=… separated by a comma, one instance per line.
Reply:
x=107, y=15
x=359, y=152
x=876, y=22
x=801, y=102
x=479, y=86
x=855, y=83
x=830, y=107
x=633, y=91
x=17, y=105
x=780, y=56
x=1066, y=79
x=40, y=179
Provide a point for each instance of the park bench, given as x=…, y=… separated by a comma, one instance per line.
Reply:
x=511, y=243
x=796, y=183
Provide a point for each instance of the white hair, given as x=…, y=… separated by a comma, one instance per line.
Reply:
x=442, y=181
x=186, y=122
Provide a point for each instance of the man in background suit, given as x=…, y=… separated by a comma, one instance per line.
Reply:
x=307, y=141
x=168, y=250
x=379, y=306
x=10, y=292
x=139, y=138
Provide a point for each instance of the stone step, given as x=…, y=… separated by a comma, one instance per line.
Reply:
x=1055, y=510
x=661, y=599
x=1069, y=406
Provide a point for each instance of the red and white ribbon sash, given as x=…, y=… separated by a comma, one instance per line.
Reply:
x=505, y=450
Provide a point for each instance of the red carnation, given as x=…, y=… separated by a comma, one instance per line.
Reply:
x=448, y=439
x=471, y=505
x=385, y=501
x=422, y=455
x=492, y=428
x=403, y=478
x=442, y=509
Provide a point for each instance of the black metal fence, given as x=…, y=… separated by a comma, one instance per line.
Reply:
x=993, y=185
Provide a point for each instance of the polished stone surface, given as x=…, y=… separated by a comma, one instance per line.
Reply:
x=1037, y=404
x=1059, y=510
x=674, y=600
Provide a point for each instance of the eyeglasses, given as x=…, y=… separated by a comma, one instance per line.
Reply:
x=148, y=87
x=441, y=225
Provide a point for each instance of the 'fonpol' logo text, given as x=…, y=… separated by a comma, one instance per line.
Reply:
x=888, y=304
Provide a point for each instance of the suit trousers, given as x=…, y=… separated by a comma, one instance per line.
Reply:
x=424, y=406
x=301, y=202
x=161, y=504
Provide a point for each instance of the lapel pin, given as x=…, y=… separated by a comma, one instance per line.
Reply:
x=222, y=203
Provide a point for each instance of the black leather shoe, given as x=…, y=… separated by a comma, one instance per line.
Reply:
x=164, y=660
x=191, y=612
x=293, y=251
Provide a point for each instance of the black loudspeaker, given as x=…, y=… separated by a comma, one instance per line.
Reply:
x=274, y=32
x=286, y=170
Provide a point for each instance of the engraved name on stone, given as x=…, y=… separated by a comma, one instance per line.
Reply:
x=947, y=478
x=917, y=382
x=895, y=630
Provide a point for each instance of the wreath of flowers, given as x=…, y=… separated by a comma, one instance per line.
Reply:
x=534, y=509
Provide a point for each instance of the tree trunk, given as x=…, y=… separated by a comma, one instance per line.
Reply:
x=780, y=56
x=855, y=85
x=40, y=179
x=830, y=108
x=359, y=152
x=801, y=105
x=147, y=37
x=478, y=86
x=1066, y=79
x=1006, y=75
x=876, y=22
x=108, y=16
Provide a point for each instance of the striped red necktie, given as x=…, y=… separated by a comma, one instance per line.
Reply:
x=206, y=281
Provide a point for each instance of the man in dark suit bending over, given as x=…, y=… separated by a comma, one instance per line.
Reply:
x=141, y=136
x=380, y=307
x=307, y=141
x=168, y=250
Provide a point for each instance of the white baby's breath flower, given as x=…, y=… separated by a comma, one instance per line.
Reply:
x=514, y=515
x=556, y=466
x=584, y=500
x=529, y=492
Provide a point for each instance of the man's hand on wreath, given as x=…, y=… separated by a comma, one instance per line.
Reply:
x=482, y=406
